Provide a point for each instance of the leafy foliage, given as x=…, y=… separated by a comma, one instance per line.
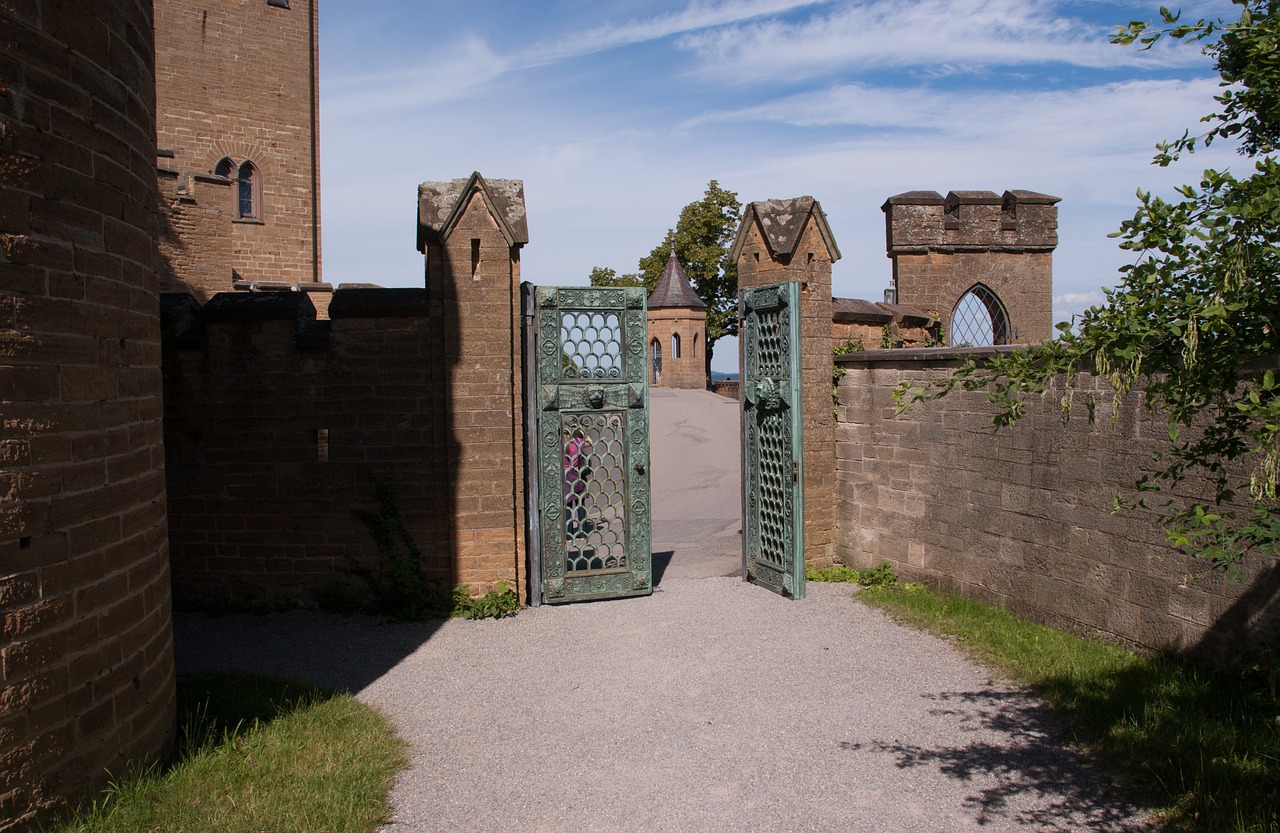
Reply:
x=702, y=238
x=1194, y=319
x=881, y=575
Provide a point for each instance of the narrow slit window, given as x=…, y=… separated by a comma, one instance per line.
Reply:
x=475, y=256
x=322, y=445
x=675, y=345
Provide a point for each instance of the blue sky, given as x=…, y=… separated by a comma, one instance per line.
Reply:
x=616, y=114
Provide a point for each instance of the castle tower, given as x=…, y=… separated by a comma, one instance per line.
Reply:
x=981, y=262
x=238, y=144
x=677, y=331
x=86, y=650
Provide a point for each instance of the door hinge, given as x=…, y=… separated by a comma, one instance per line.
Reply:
x=795, y=471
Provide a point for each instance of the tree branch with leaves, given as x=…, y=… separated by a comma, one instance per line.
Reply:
x=1193, y=320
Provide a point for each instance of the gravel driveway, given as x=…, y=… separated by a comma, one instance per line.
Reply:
x=710, y=706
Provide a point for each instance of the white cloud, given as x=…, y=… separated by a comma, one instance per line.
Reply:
x=934, y=35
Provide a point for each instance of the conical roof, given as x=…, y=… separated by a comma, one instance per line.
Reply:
x=674, y=289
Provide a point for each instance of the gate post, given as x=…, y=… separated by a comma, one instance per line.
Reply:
x=471, y=232
x=789, y=241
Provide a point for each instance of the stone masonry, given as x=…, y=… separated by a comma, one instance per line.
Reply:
x=677, y=321
x=1021, y=517
x=86, y=655
x=943, y=247
x=789, y=240
x=237, y=80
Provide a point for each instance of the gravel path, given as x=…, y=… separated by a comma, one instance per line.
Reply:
x=710, y=706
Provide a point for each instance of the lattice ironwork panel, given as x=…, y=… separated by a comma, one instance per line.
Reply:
x=769, y=339
x=595, y=490
x=774, y=488
x=979, y=320
x=591, y=345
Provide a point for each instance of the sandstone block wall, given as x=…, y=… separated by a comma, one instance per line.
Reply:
x=277, y=426
x=86, y=662
x=237, y=79
x=689, y=369
x=942, y=247
x=806, y=258
x=1021, y=517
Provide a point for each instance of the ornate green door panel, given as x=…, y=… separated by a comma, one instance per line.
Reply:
x=772, y=476
x=593, y=443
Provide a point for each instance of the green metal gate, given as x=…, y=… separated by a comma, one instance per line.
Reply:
x=592, y=423
x=772, y=462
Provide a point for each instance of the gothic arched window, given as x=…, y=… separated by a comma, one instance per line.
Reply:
x=979, y=319
x=675, y=345
x=249, y=193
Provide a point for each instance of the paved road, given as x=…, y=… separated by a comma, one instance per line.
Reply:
x=709, y=706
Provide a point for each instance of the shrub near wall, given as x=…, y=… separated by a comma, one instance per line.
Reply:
x=1022, y=517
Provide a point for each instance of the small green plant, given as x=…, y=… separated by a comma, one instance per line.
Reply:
x=886, y=337
x=881, y=575
x=498, y=603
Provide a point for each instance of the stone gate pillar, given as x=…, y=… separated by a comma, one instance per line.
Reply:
x=789, y=241
x=471, y=232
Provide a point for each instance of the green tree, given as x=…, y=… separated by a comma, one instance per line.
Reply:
x=1195, y=320
x=702, y=238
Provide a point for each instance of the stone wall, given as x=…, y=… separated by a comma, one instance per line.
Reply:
x=790, y=241
x=277, y=427
x=1021, y=517
x=86, y=660
x=942, y=247
x=689, y=369
x=237, y=80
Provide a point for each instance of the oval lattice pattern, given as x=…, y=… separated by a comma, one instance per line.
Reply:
x=591, y=343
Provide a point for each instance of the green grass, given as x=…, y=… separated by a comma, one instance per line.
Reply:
x=258, y=754
x=1201, y=748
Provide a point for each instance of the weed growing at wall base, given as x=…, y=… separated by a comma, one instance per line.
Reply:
x=259, y=754
x=1201, y=748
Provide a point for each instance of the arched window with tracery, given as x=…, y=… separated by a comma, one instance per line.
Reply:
x=249, y=193
x=675, y=345
x=979, y=319
x=225, y=168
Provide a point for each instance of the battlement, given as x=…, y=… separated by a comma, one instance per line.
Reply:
x=971, y=221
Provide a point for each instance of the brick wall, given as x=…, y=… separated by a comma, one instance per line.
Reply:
x=689, y=369
x=86, y=663
x=1021, y=517
x=805, y=257
x=237, y=79
x=942, y=247
x=277, y=426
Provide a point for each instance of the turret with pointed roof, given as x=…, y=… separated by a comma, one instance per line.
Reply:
x=677, y=331
x=674, y=289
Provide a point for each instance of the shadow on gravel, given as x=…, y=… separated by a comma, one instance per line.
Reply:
x=661, y=561
x=341, y=653
x=1028, y=762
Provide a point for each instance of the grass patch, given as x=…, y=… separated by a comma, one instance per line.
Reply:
x=1203, y=748
x=259, y=754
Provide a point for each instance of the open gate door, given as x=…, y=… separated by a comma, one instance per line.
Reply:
x=772, y=460
x=592, y=412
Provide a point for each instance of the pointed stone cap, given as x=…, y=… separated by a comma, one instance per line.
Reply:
x=674, y=289
x=782, y=222
x=440, y=206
